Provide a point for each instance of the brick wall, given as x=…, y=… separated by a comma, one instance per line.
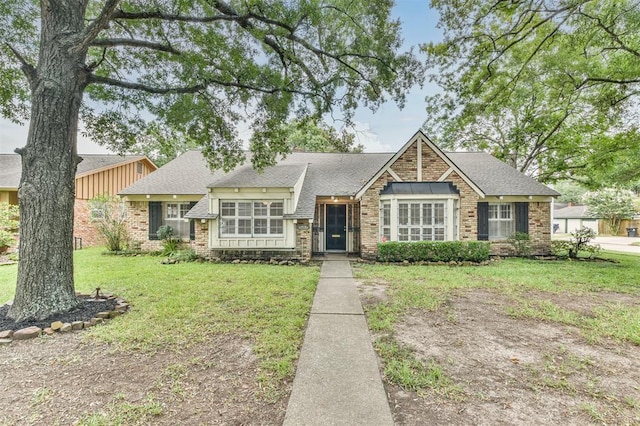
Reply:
x=539, y=232
x=303, y=239
x=138, y=226
x=83, y=227
x=433, y=167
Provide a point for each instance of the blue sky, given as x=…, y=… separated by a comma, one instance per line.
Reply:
x=386, y=130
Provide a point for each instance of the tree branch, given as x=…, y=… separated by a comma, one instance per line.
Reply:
x=28, y=69
x=94, y=79
x=100, y=23
x=157, y=14
x=112, y=42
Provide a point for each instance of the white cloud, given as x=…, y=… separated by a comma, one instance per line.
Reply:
x=364, y=135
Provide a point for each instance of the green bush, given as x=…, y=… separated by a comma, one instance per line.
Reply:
x=579, y=242
x=433, y=251
x=521, y=243
x=170, y=243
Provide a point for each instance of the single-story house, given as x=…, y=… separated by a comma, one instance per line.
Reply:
x=314, y=203
x=570, y=218
x=97, y=174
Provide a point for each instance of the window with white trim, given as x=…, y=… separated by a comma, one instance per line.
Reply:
x=252, y=218
x=175, y=217
x=501, y=220
x=421, y=220
x=385, y=221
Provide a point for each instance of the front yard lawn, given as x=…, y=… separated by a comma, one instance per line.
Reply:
x=200, y=338
x=516, y=342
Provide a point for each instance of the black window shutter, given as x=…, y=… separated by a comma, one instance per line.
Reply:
x=483, y=221
x=155, y=218
x=522, y=217
x=192, y=223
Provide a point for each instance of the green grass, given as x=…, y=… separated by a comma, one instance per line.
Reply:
x=175, y=306
x=523, y=281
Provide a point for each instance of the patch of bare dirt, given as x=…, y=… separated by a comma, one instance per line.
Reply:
x=62, y=380
x=518, y=371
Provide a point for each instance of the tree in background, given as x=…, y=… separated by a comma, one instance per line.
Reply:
x=549, y=86
x=161, y=144
x=570, y=192
x=109, y=214
x=198, y=67
x=8, y=225
x=612, y=205
x=317, y=136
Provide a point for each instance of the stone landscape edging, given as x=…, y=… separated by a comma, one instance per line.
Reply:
x=8, y=336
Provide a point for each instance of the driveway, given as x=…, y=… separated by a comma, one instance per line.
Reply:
x=620, y=244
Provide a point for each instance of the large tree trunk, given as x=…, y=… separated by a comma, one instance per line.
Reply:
x=49, y=160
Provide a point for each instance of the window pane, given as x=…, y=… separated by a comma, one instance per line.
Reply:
x=259, y=208
x=505, y=211
x=386, y=214
x=228, y=209
x=260, y=226
x=386, y=233
x=172, y=211
x=493, y=211
x=244, y=209
x=227, y=226
x=438, y=213
x=403, y=234
x=184, y=209
x=438, y=234
x=403, y=214
x=277, y=208
x=244, y=226
x=427, y=234
x=275, y=227
x=427, y=217
x=415, y=234
x=415, y=214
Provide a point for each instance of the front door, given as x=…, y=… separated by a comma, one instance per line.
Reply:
x=336, y=227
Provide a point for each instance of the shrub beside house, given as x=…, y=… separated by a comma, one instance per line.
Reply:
x=315, y=203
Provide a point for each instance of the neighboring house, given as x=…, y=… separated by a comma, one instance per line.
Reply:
x=313, y=203
x=97, y=174
x=569, y=219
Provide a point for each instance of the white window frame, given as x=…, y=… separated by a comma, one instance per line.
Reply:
x=417, y=226
x=274, y=227
x=503, y=217
x=181, y=209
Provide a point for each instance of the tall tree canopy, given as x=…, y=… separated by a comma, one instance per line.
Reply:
x=547, y=85
x=198, y=67
x=318, y=136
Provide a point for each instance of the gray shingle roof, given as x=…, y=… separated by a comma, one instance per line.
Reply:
x=494, y=177
x=188, y=174
x=201, y=210
x=339, y=174
x=283, y=175
x=571, y=212
x=10, y=170
x=11, y=165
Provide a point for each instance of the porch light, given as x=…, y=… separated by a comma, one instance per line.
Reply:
x=267, y=203
x=501, y=197
x=203, y=220
x=333, y=197
x=148, y=196
x=175, y=196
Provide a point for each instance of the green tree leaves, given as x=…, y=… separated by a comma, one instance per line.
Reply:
x=548, y=86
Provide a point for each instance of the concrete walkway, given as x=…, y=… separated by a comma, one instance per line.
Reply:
x=338, y=381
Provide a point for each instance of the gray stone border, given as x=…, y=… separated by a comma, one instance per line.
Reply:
x=122, y=306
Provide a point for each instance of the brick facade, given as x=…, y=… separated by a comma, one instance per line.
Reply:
x=138, y=228
x=83, y=226
x=433, y=168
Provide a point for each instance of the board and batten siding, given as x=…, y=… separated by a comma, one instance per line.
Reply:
x=111, y=180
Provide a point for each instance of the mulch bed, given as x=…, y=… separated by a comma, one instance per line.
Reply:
x=88, y=309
